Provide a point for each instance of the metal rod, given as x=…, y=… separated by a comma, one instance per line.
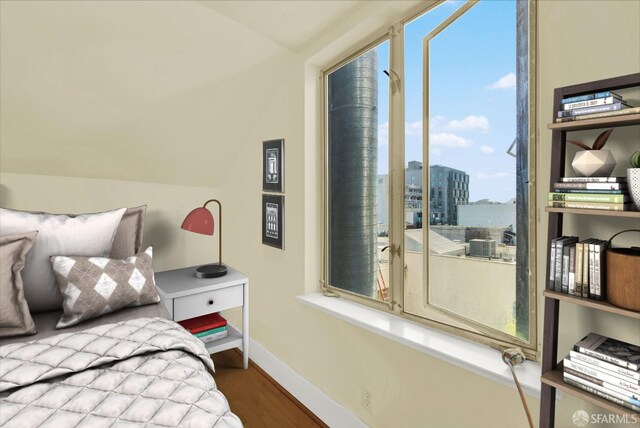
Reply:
x=219, y=227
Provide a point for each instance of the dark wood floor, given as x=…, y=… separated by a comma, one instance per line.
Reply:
x=256, y=398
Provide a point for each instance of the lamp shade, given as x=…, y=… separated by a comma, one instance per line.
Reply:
x=199, y=220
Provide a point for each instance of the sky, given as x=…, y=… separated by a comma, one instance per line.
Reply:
x=472, y=95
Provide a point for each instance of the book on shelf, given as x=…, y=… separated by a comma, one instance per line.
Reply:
x=623, y=112
x=572, y=269
x=599, y=269
x=596, y=376
x=578, y=268
x=592, y=205
x=566, y=264
x=589, y=185
x=203, y=323
x=589, y=197
x=215, y=336
x=610, y=350
x=601, y=391
x=552, y=262
x=593, y=179
x=210, y=332
x=590, y=103
x=586, y=267
x=594, y=191
x=594, y=109
x=559, y=259
x=593, y=96
x=606, y=367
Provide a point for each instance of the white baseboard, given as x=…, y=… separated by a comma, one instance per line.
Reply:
x=313, y=398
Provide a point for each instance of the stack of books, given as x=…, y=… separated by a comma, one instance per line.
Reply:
x=595, y=105
x=578, y=267
x=607, y=368
x=596, y=193
x=207, y=328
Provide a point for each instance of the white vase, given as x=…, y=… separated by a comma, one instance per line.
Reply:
x=633, y=183
x=593, y=163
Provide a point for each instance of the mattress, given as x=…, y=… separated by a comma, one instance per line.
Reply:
x=46, y=321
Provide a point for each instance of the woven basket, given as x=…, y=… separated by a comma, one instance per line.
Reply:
x=623, y=275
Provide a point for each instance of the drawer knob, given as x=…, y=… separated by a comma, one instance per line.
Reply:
x=211, y=302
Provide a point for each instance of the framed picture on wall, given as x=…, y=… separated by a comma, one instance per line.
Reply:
x=273, y=166
x=273, y=220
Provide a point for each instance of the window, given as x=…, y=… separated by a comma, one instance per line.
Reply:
x=454, y=102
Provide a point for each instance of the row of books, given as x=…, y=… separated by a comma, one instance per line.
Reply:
x=591, y=106
x=596, y=193
x=605, y=367
x=207, y=328
x=578, y=267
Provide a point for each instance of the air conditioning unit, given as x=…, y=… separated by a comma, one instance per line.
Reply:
x=482, y=248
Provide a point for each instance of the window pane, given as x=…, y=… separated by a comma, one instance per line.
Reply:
x=358, y=158
x=470, y=265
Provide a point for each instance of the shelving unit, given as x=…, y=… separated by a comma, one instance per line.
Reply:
x=552, y=370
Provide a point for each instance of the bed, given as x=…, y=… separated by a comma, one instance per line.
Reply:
x=133, y=367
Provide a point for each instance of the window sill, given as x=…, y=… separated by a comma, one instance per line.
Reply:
x=463, y=353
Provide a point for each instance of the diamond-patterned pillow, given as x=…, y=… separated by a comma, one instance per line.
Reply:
x=94, y=286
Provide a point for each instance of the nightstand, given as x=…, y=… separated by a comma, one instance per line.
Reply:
x=186, y=296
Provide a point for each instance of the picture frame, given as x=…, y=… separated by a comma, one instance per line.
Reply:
x=273, y=220
x=273, y=166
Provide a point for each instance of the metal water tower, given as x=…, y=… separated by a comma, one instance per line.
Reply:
x=353, y=164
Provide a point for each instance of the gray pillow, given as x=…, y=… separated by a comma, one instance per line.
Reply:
x=128, y=239
x=15, y=318
x=94, y=286
x=82, y=235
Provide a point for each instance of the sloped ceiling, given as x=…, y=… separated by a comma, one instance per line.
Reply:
x=157, y=91
x=293, y=24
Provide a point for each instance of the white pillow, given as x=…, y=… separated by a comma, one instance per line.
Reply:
x=58, y=235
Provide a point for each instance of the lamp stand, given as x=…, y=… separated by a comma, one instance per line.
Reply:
x=214, y=270
x=211, y=271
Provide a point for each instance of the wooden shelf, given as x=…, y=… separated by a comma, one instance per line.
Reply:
x=552, y=371
x=628, y=214
x=554, y=378
x=596, y=304
x=601, y=122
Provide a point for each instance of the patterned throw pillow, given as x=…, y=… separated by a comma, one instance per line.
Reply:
x=94, y=286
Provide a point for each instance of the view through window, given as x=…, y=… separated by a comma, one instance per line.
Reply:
x=466, y=170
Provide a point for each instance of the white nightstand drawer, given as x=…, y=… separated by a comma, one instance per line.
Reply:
x=207, y=302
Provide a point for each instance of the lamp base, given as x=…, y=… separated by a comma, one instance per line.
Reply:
x=211, y=271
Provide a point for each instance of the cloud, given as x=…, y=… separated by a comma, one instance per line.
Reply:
x=487, y=150
x=413, y=129
x=485, y=176
x=469, y=123
x=444, y=139
x=505, y=82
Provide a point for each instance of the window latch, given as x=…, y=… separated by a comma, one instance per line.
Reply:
x=394, y=250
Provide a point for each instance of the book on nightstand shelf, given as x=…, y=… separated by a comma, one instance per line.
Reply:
x=605, y=367
x=207, y=328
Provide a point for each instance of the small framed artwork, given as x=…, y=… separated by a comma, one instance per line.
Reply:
x=273, y=166
x=273, y=220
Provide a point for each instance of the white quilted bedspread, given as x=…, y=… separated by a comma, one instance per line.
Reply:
x=145, y=372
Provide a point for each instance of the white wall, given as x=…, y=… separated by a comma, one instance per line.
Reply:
x=209, y=134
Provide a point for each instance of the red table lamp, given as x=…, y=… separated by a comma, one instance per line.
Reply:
x=200, y=221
